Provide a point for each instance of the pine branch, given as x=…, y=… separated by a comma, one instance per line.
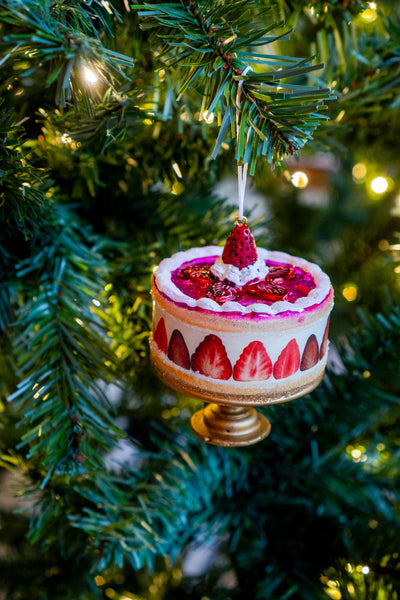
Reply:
x=109, y=124
x=90, y=19
x=22, y=203
x=123, y=148
x=362, y=66
x=213, y=45
x=6, y=285
x=21, y=185
x=134, y=518
x=377, y=86
x=63, y=352
x=68, y=39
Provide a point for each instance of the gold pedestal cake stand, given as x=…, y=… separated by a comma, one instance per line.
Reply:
x=224, y=425
x=231, y=419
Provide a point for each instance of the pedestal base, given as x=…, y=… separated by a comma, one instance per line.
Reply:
x=230, y=425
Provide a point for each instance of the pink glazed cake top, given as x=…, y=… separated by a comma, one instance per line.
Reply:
x=308, y=289
x=240, y=279
x=284, y=282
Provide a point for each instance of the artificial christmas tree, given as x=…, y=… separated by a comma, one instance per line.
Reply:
x=117, y=121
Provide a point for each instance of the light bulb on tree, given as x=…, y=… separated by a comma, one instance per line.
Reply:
x=90, y=75
x=208, y=117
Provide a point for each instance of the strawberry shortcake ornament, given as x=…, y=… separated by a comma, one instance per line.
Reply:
x=239, y=327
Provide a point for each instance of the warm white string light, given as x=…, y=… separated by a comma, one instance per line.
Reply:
x=90, y=75
x=379, y=185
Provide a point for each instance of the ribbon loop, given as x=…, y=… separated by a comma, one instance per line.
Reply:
x=242, y=169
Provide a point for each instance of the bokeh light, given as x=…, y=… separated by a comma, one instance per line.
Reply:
x=350, y=292
x=370, y=14
x=300, y=179
x=379, y=185
x=359, y=172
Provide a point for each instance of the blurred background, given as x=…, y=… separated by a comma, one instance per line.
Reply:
x=104, y=171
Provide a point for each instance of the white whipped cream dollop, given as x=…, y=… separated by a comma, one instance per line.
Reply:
x=258, y=270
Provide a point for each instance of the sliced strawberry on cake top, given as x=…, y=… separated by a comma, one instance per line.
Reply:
x=210, y=358
x=254, y=364
x=288, y=361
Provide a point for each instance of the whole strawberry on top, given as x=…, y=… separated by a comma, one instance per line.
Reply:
x=239, y=274
x=240, y=247
x=239, y=262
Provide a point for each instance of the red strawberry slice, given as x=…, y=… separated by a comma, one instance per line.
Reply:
x=177, y=350
x=254, y=364
x=223, y=291
x=310, y=355
x=288, y=361
x=281, y=273
x=197, y=273
x=240, y=247
x=266, y=290
x=160, y=336
x=210, y=358
x=324, y=344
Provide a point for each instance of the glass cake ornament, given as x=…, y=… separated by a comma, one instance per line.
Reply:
x=239, y=327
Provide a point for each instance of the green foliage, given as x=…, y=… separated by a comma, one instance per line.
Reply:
x=68, y=38
x=62, y=352
x=214, y=45
x=114, y=495
x=21, y=194
x=362, y=63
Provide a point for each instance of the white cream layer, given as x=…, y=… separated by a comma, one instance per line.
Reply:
x=235, y=342
x=239, y=276
x=164, y=283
